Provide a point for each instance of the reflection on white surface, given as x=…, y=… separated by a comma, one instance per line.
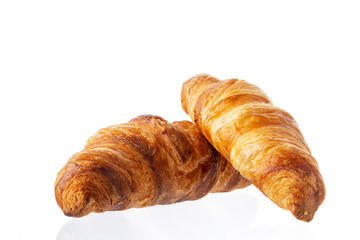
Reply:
x=217, y=216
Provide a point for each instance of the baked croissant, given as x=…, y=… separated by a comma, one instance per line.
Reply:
x=261, y=140
x=147, y=161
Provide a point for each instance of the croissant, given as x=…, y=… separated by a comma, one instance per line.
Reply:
x=145, y=162
x=263, y=142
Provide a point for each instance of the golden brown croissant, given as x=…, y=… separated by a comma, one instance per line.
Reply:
x=147, y=161
x=261, y=140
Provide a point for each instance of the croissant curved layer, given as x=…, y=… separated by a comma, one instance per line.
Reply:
x=261, y=140
x=147, y=161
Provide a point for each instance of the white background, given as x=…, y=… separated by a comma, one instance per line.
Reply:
x=68, y=68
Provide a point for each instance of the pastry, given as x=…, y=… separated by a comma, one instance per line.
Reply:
x=262, y=141
x=145, y=162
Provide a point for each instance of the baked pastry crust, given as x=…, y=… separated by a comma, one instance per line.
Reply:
x=261, y=140
x=145, y=162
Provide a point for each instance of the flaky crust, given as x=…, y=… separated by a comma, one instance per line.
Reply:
x=147, y=161
x=261, y=140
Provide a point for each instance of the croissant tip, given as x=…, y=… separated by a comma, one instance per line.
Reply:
x=305, y=216
x=304, y=212
x=74, y=203
x=76, y=209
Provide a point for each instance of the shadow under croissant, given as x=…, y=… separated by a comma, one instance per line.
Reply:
x=216, y=215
